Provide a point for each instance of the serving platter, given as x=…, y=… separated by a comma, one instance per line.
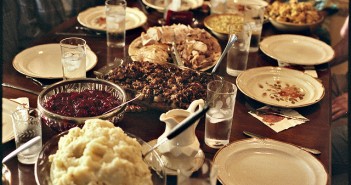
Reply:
x=94, y=18
x=162, y=86
x=197, y=48
x=267, y=161
x=186, y=4
x=281, y=87
x=44, y=61
x=297, y=49
x=42, y=167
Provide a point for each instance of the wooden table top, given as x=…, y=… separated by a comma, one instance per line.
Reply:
x=314, y=133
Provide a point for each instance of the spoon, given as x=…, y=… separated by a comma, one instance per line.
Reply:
x=21, y=148
x=37, y=82
x=111, y=110
x=231, y=40
x=186, y=123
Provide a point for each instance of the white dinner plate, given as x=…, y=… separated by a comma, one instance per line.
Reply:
x=89, y=18
x=7, y=108
x=266, y=161
x=281, y=87
x=44, y=61
x=297, y=49
x=186, y=4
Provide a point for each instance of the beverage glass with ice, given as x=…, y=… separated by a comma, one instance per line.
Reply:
x=221, y=99
x=115, y=22
x=26, y=126
x=238, y=53
x=73, y=57
x=254, y=16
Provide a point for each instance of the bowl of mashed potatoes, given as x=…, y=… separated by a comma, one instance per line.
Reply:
x=98, y=153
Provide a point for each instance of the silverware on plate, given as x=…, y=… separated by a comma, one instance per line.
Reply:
x=310, y=150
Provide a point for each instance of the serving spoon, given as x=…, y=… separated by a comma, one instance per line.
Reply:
x=231, y=40
x=21, y=148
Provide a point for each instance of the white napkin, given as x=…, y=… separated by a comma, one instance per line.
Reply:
x=278, y=119
x=7, y=108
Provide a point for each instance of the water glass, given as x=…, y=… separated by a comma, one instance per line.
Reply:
x=115, y=23
x=73, y=57
x=221, y=96
x=254, y=16
x=218, y=6
x=26, y=126
x=238, y=53
x=203, y=173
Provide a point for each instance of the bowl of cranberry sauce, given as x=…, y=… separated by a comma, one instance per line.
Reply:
x=69, y=103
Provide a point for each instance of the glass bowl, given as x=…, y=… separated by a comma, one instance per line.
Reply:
x=61, y=123
x=42, y=166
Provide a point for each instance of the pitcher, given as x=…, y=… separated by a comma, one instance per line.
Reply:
x=180, y=151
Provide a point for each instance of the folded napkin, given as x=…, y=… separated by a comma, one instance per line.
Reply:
x=7, y=109
x=23, y=100
x=278, y=119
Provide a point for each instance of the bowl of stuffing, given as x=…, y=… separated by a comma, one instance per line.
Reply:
x=294, y=16
x=69, y=103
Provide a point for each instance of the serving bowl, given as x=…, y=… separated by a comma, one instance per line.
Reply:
x=60, y=122
x=42, y=168
x=294, y=27
x=219, y=24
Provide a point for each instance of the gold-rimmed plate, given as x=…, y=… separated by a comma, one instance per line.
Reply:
x=186, y=4
x=280, y=87
x=297, y=49
x=94, y=18
x=44, y=61
x=267, y=161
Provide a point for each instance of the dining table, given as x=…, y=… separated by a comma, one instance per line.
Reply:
x=146, y=124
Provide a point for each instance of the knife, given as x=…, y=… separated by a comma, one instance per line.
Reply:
x=310, y=150
x=20, y=88
x=279, y=114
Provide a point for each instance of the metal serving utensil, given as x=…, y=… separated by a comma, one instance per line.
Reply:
x=310, y=150
x=231, y=40
x=21, y=148
x=20, y=88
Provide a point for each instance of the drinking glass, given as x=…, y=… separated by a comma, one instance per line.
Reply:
x=115, y=22
x=26, y=125
x=221, y=96
x=254, y=16
x=73, y=57
x=203, y=173
x=238, y=53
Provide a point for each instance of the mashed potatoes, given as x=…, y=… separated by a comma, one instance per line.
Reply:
x=99, y=153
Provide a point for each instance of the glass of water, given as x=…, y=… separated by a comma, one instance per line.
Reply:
x=73, y=57
x=115, y=22
x=221, y=96
x=26, y=125
x=238, y=54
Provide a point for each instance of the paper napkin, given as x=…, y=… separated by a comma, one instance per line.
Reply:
x=278, y=119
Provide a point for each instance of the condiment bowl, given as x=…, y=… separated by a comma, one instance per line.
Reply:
x=62, y=122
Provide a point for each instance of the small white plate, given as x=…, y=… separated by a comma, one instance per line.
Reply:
x=266, y=161
x=280, y=87
x=297, y=49
x=44, y=61
x=88, y=18
x=8, y=107
x=186, y=4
